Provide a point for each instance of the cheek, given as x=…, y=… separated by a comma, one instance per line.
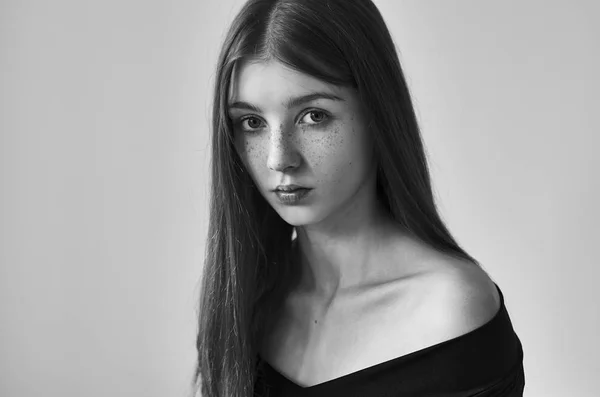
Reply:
x=330, y=154
x=253, y=151
x=252, y=154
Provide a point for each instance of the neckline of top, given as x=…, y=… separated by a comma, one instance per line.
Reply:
x=395, y=360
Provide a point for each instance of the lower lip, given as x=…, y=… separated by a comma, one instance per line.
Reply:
x=292, y=197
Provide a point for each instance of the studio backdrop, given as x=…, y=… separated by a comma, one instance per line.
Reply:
x=104, y=155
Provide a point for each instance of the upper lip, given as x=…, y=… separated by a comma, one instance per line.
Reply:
x=289, y=187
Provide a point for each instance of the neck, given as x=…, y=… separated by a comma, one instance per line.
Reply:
x=345, y=253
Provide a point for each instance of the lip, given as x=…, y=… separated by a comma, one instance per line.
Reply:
x=288, y=188
x=292, y=197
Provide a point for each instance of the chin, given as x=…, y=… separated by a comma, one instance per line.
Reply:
x=297, y=215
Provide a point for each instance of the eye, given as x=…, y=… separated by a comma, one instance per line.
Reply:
x=250, y=123
x=314, y=117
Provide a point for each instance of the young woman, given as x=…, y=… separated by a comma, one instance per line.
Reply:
x=328, y=269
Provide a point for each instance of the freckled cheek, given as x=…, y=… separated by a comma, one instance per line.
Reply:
x=254, y=156
x=326, y=154
x=252, y=152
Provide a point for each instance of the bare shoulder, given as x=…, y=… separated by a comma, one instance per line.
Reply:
x=460, y=296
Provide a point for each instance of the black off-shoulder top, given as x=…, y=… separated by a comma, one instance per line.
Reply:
x=485, y=362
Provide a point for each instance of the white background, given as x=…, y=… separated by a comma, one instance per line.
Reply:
x=104, y=109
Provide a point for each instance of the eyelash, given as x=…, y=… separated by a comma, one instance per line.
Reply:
x=326, y=117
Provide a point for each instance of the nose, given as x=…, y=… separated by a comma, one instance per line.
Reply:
x=283, y=154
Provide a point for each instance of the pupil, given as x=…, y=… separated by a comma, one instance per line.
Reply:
x=317, y=118
x=253, y=123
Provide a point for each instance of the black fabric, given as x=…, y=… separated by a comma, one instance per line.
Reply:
x=486, y=362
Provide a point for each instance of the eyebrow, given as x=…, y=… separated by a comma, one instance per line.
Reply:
x=291, y=102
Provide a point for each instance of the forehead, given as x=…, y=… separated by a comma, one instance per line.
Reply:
x=254, y=81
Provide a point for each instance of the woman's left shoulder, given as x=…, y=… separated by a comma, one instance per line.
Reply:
x=461, y=296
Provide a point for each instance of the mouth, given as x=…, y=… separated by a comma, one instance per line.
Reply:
x=289, y=188
x=289, y=195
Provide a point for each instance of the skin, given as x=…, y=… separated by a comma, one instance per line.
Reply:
x=342, y=229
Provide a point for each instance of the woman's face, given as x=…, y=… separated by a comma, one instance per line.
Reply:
x=291, y=128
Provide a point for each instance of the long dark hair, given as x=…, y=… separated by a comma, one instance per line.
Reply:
x=248, y=265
